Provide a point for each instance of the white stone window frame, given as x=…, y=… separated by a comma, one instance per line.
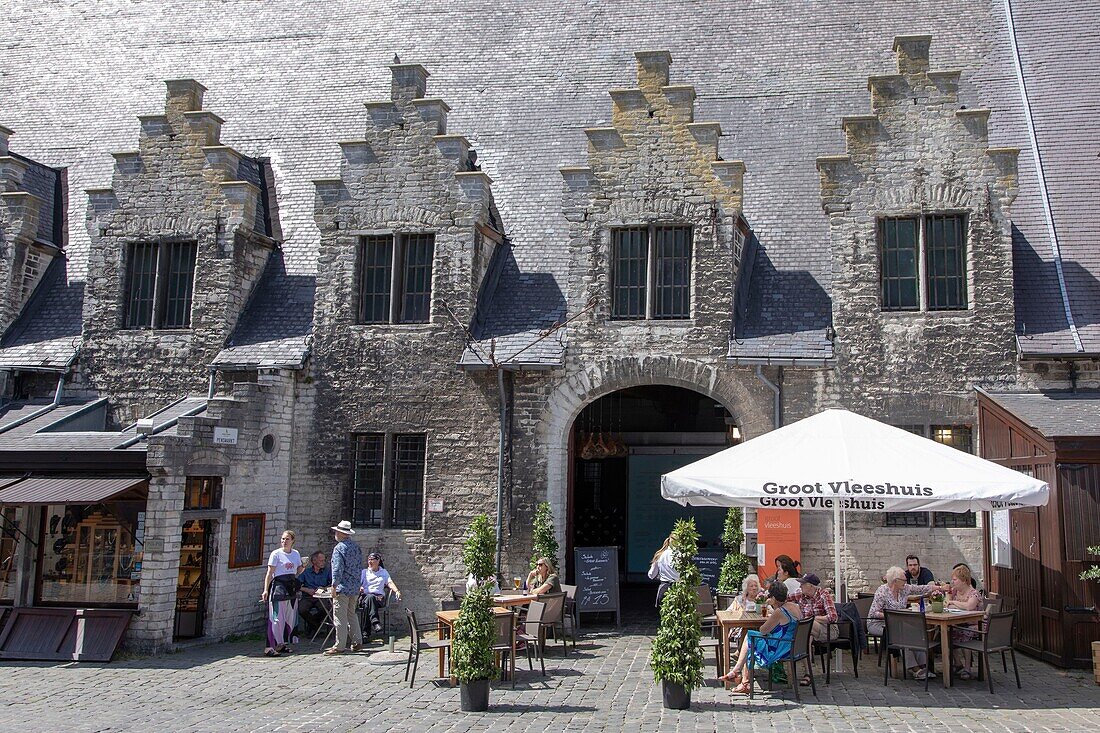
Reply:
x=389, y=463
x=398, y=241
x=651, y=228
x=921, y=218
x=160, y=285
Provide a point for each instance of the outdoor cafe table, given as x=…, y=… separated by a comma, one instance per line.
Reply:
x=944, y=621
x=729, y=620
x=514, y=599
x=446, y=621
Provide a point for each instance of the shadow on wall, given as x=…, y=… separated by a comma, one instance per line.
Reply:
x=777, y=301
x=520, y=302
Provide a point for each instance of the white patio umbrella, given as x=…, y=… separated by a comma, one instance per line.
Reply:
x=839, y=461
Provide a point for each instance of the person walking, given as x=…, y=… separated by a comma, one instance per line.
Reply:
x=661, y=569
x=347, y=565
x=281, y=595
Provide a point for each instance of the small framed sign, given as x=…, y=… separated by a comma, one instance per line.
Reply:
x=435, y=505
x=225, y=436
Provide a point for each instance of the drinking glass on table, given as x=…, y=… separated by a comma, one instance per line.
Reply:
x=515, y=583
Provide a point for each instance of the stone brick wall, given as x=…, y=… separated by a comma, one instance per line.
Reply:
x=181, y=184
x=254, y=481
x=407, y=175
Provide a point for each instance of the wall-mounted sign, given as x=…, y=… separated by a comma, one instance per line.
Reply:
x=225, y=436
x=435, y=505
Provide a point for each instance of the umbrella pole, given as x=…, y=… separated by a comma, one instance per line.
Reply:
x=837, y=582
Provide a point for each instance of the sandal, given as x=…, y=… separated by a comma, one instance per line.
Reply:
x=964, y=674
x=742, y=689
x=805, y=681
x=735, y=677
x=284, y=649
x=269, y=652
x=332, y=651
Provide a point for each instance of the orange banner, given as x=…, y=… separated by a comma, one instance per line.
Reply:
x=778, y=532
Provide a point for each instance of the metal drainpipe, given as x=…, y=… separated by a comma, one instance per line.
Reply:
x=503, y=404
x=56, y=401
x=777, y=403
x=210, y=388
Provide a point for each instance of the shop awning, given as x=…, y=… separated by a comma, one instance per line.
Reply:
x=74, y=489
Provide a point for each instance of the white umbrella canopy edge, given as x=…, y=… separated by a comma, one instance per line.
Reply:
x=838, y=459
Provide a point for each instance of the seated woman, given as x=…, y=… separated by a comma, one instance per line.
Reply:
x=893, y=595
x=374, y=580
x=772, y=642
x=964, y=596
x=787, y=574
x=543, y=579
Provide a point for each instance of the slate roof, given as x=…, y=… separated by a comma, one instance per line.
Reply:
x=778, y=76
x=47, y=334
x=43, y=181
x=276, y=326
x=47, y=432
x=1055, y=414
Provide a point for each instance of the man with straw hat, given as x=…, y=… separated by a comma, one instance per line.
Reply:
x=347, y=564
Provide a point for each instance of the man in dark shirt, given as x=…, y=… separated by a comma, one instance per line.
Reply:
x=315, y=576
x=915, y=574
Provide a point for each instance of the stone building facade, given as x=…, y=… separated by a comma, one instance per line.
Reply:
x=381, y=327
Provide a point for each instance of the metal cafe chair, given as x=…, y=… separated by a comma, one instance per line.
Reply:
x=458, y=590
x=533, y=633
x=505, y=642
x=554, y=617
x=908, y=631
x=800, y=649
x=995, y=638
x=417, y=643
x=570, y=592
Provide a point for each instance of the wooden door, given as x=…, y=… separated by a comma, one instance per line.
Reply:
x=1027, y=570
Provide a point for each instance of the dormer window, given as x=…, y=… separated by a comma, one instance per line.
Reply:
x=160, y=278
x=651, y=272
x=923, y=262
x=395, y=278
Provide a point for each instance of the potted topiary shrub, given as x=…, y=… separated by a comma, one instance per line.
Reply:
x=543, y=541
x=474, y=630
x=736, y=564
x=1093, y=573
x=676, y=658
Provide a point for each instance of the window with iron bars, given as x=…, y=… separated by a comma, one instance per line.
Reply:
x=387, y=483
x=651, y=272
x=160, y=278
x=923, y=262
x=395, y=278
x=956, y=436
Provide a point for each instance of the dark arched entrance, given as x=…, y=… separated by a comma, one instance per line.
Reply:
x=619, y=447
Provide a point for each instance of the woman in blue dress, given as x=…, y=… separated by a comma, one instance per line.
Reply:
x=773, y=641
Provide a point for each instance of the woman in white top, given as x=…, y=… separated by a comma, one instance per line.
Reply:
x=788, y=576
x=661, y=569
x=373, y=581
x=281, y=587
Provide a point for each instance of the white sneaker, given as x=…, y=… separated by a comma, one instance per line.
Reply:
x=924, y=674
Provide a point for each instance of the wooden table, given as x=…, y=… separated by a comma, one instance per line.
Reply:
x=514, y=599
x=446, y=621
x=944, y=621
x=729, y=620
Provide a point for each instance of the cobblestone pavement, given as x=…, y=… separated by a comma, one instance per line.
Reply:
x=604, y=686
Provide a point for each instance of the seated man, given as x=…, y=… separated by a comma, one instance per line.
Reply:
x=915, y=574
x=816, y=603
x=317, y=575
x=373, y=583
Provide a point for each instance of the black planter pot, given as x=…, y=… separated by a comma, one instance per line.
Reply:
x=475, y=696
x=675, y=696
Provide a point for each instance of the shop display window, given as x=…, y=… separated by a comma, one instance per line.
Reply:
x=91, y=554
x=10, y=539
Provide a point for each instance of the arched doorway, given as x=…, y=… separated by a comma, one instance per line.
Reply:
x=620, y=445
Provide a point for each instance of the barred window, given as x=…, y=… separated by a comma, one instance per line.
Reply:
x=956, y=436
x=395, y=278
x=923, y=262
x=906, y=519
x=388, y=480
x=160, y=279
x=651, y=272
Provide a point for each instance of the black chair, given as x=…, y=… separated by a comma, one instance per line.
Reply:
x=908, y=631
x=570, y=592
x=1000, y=628
x=840, y=635
x=712, y=640
x=704, y=606
x=533, y=634
x=554, y=617
x=800, y=649
x=449, y=605
x=505, y=642
x=863, y=608
x=458, y=590
x=417, y=643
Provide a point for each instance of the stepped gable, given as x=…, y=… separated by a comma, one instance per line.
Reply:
x=920, y=151
x=409, y=174
x=31, y=228
x=181, y=185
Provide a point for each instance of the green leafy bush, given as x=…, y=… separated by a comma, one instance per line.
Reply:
x=736, y=565
x=475, y=628
x=676, y=656
x=1092, y=573
x=544, y=544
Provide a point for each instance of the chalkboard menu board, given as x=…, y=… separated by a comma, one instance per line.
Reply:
x=597, y=571
x=709, y=563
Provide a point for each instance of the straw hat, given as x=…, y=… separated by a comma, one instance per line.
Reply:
x=344, y=527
